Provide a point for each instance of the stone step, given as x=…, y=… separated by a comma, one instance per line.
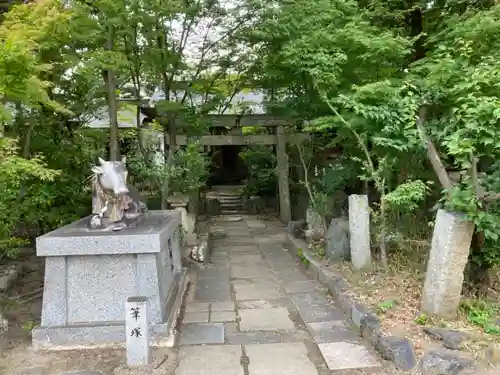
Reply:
x=222, y=201
x=233, y=198
x=231, y=212
x=231, y=204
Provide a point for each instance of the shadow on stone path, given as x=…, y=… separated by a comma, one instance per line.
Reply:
x=252, y=311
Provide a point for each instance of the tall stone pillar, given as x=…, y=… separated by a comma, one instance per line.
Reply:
x=359, y=228
x=447, y=260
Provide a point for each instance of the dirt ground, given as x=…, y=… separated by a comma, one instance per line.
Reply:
x=22, y=308
x=394, y=294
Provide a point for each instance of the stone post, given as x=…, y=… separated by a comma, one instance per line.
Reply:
x=448, y=257
x=359, y=228
x=137, y=333
x=282, y=168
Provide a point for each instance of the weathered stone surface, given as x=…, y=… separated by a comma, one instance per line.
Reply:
x=398, y=350
x=314, y=307
x=271, y=311
x=213, y=273
x=315, y=229
x=8, y=273
x=291, y=274
x=359, y=229
x=81, y=373
x=210, y=360
x=296, y=287
x=285, y=358
x=358, y=313
x=256, y=289
x=337, y=240
x=212, y=206
x=212, y=289
x=89, y=275
x=35, y=371
x=260, y=303
x=218, y=234
x=447, y=259
x=370, y=328
x=137, y=342
x=223, y=316
x=338, y=330
x=251, y=271
x=268, y=319
x=266, y=337
x=222, y=306
x=443, y=363
x=451, y=339
x=202, y=333
x=196, y=317
x=197, y=307
x=255, y=205
x=253, y=259
x=296, y=228
x=346, y=355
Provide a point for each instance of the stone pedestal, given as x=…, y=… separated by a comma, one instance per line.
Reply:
x=359, y=228
x=89, y=275
x=447, y=260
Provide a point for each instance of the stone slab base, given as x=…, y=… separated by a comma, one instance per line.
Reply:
x=111, y=334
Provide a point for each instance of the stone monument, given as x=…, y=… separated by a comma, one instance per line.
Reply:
x=115, y=205
x=94, y=265
x=447, y=260
x=359, y=229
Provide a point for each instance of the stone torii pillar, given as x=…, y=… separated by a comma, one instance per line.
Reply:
x=283, y=183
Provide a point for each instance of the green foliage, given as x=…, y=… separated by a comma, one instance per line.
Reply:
x=422, y=319
x=407, y=196
x=261, y=163
x=189, y=170
x=482, y=314
x=335, y=176
x=18, y=179
x=302, y=258
x=385, y=306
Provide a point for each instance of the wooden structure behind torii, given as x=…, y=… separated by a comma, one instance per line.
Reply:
x=279, y=138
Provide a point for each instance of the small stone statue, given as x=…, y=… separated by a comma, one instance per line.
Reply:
x=115, y=205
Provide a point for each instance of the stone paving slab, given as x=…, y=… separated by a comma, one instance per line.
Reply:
x=195, y=317
x=210, y=360
x=346, y=355
x=338, y=330
x=222, y=306
x=261, y=303
x=259, y=300
x=202, y=333
x=208, y=290
x=213, y=273
x=298, y=287
x=256, y=289
x=247, y=258
x=267, y=319
x=223, y=316
x=285, y=358
x=252, y=272
x=197, y=307
x=266, y=337
x=291, y=274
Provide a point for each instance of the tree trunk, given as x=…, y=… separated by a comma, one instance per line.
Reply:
x=383, y=232
x=479, y=279
x=170, y=142
x=114, y=151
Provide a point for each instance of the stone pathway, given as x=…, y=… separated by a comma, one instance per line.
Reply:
x=252, y=311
